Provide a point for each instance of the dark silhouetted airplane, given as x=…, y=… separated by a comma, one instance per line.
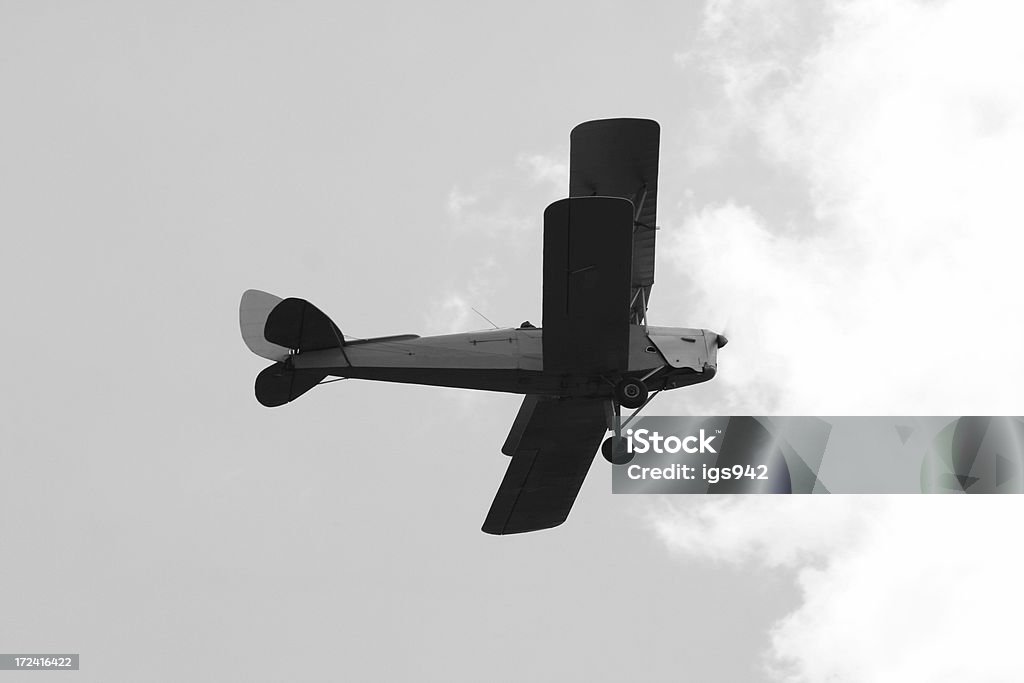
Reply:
x=594, y=352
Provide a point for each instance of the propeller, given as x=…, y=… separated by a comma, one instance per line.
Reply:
x=722, y=333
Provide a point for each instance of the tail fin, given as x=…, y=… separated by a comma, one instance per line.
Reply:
x=275, y=329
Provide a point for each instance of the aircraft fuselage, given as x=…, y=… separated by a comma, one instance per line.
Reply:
x=511, y=360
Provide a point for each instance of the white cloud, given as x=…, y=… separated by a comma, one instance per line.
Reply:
x=453, y=311
x=898, y=290
x=547, y=169
x=893, y=589
x=777, y=531
x=458, y=201
x=894, y=291
x=492, y=208
x=497, y=223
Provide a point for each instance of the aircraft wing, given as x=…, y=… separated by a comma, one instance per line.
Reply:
x=588, y=247
x=553, y=443
x=619, y=158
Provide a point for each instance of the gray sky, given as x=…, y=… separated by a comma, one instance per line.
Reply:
x=391, y=163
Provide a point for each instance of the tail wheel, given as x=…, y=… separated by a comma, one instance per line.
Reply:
x=631, y=393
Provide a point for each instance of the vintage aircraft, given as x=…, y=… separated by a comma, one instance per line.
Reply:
x=594, y=353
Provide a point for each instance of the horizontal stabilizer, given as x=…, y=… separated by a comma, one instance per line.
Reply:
x=298, y=324
x=279, y=384
x=253, y=312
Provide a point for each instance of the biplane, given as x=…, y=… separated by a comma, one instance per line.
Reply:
x=593, y=354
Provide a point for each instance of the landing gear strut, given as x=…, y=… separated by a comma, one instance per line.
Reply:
x=631, y=393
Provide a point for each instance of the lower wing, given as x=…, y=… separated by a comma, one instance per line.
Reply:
x=552, y=444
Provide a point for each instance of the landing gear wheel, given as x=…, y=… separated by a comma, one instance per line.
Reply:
x=615, y=451
x=631, y=393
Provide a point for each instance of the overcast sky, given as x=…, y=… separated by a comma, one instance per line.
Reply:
x=839, y=194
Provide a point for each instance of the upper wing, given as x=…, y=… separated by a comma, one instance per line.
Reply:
x=619, y=158
x=552, y=455
x=588, y=244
